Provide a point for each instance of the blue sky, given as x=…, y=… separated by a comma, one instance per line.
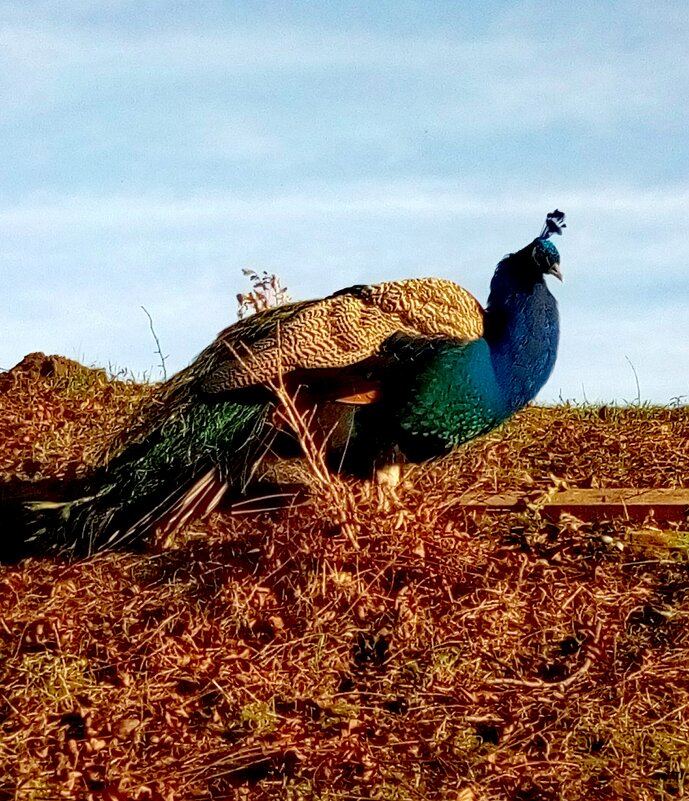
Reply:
x=151, y=150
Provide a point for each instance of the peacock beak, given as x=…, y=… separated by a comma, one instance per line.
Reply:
x=555, y=270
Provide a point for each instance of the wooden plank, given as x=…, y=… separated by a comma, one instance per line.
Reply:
x=590, y=504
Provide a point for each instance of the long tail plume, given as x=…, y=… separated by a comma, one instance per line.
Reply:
x=180, y=472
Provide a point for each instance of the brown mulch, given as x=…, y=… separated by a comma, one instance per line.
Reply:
x=356, y=646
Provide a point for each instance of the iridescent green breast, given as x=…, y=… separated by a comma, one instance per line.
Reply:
x=453, y=398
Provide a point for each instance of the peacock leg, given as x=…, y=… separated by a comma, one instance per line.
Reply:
x=387, y=476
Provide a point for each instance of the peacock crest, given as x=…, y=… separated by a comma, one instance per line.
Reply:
x=554, y=223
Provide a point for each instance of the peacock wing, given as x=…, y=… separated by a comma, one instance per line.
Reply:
x=340, y=331
x=430, y=307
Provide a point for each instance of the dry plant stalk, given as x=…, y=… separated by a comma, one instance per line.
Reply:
x=266, y=293
x=314, y=448
x=331, y=487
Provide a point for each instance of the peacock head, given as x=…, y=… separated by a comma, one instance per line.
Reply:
x=526, y=268
x=546, y=258
x=544, y=253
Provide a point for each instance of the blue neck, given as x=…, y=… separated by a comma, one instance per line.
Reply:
x=522, y=329
x=457, y=391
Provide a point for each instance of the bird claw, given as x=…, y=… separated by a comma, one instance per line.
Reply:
x=389, y=475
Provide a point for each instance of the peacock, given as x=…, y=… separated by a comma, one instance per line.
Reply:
x=414, y=367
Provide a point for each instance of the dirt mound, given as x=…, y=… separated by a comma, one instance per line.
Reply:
x=56, y=415
x=35, y=365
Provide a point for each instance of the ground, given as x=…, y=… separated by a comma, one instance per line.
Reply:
x=354, y=646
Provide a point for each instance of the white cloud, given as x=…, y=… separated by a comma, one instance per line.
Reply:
x=520, y=77
x=616, y=207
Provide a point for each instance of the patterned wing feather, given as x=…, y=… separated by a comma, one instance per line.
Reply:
x=339, y=331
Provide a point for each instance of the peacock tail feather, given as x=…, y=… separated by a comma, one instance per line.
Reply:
x=182, y=470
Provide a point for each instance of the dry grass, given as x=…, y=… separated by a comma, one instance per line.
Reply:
x=438, y=656
x=57, y=416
